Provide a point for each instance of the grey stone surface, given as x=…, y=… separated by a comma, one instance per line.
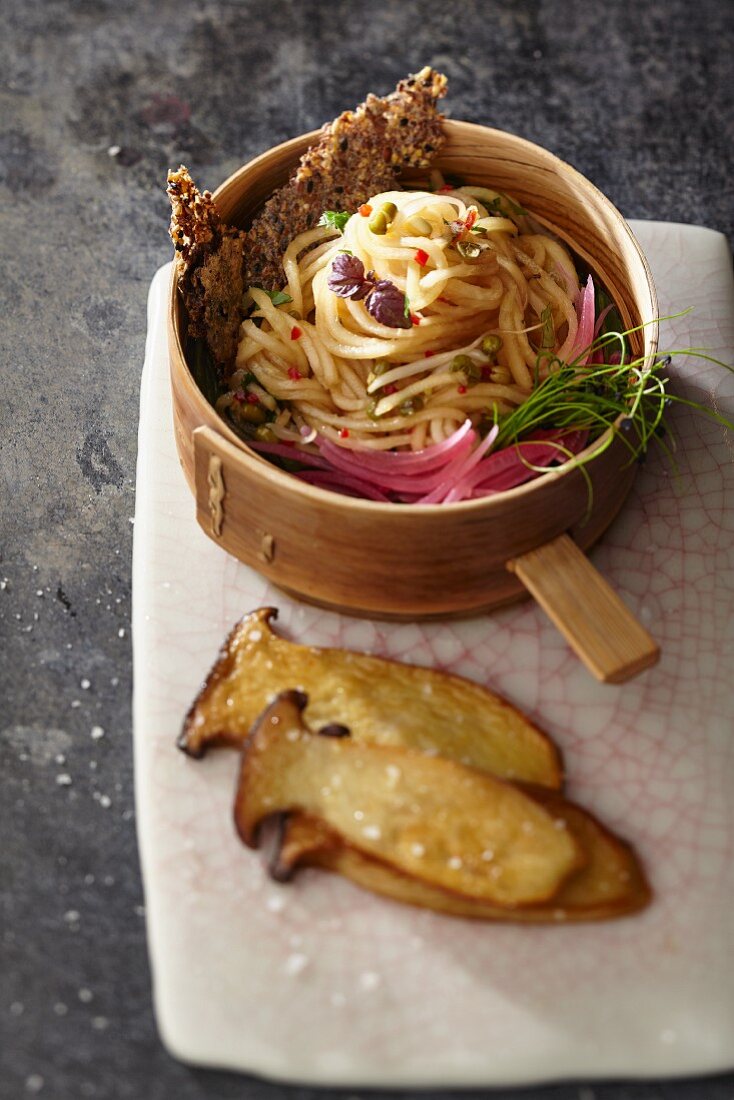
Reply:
x=97, y=99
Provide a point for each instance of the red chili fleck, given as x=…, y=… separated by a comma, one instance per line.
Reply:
x=446, y=187
x=252, y=399
x=446, y=301
x=390, y=388
x=294, y=373
x=428, y=354
x=296, y=333
x=461, y=389
x=415, y=319
x=239, y=396
x=344, y=432
x=421, y=257
x=470, y=219
x=365, y=210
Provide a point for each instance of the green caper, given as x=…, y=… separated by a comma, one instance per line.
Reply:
x=389, y=209
x=461, y=363
x=491, y=345
x=265, y=434
x=381, y=365
x=378, y=224
x=411, y=405
x=372, y=410
x=252, y=414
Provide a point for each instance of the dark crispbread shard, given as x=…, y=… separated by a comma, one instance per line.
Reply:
x=356, y=156
x=209, y=265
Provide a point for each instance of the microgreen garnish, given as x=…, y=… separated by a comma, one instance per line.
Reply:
x=334, y=219
x=632, y=397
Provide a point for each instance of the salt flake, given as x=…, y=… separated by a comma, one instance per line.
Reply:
x=369, y=980
x=295, y=963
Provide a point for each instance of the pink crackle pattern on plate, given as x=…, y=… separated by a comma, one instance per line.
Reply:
x=321, y=982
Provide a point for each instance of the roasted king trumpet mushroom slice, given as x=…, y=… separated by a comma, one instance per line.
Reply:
x=611, y=884
x=379, y=700
x=444, y=824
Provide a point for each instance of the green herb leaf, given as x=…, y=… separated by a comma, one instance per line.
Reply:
x=504, y=206
x=278, y=297
x=514, y=206
x=334, y=219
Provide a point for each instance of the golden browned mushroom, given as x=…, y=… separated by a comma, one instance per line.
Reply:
x=424, y=816
x=611, y=884
x=379, y=700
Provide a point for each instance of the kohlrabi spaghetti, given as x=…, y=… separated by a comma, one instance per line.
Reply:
x=411, y=326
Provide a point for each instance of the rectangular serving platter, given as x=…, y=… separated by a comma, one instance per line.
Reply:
x=321, y=983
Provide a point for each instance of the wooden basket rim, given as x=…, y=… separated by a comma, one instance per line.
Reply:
x=262, y=467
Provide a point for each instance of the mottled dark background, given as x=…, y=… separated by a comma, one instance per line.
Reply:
x=97, y=99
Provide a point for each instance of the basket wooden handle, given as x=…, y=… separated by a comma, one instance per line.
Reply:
x=223, y=504
x=587, y=611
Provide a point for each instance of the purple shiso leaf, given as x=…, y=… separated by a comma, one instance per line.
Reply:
x=387, y=305
x=385, y=302
x=347, y=278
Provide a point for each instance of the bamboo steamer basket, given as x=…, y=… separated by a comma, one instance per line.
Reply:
x=392, y=561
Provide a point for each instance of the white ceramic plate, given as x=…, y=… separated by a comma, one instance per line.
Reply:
x=320, y=982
